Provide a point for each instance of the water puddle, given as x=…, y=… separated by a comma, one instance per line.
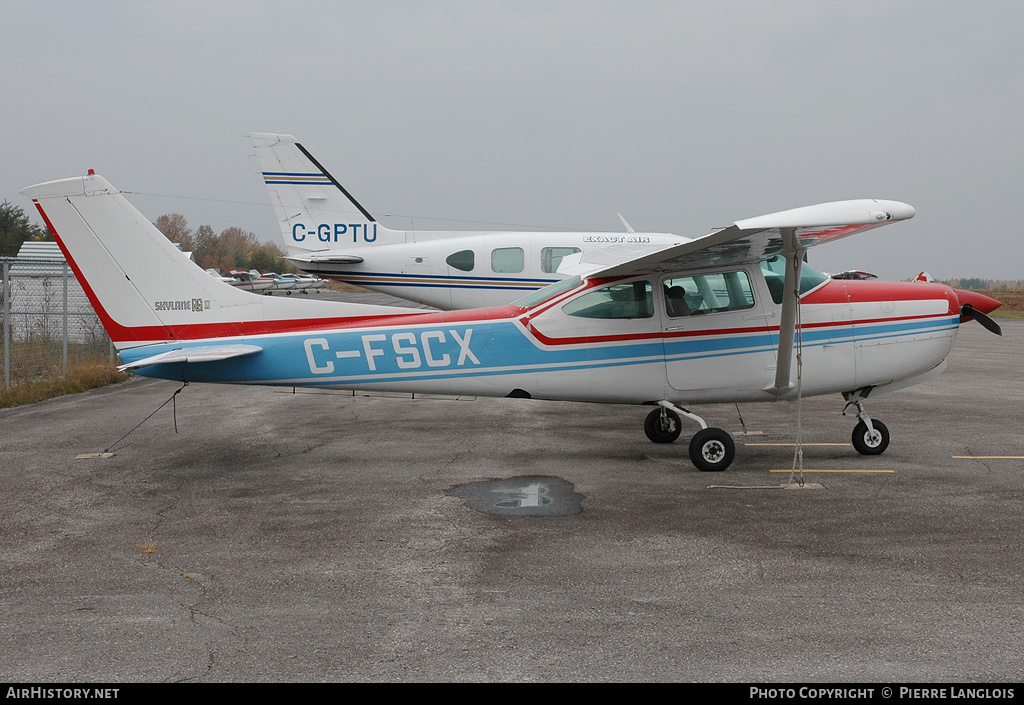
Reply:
x=535, y=496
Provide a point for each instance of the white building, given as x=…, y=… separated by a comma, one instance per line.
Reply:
x=41, y=285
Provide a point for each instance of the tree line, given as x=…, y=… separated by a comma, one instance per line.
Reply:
x=232, y=249
x=229, y=250
x=16, y=228
x=980, y=284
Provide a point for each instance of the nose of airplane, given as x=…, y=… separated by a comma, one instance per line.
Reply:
x=976, y=306
x=979, y=302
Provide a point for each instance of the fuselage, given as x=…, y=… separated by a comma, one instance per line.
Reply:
x=672, y=329
x=618, y=340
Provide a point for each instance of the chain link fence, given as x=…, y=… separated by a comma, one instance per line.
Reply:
x=48, y=323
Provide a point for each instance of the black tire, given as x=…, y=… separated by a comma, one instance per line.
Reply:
x=865, y=444
x=712, y=450
x=662, y=429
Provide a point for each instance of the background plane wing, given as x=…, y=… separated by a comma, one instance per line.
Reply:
x=747, y=240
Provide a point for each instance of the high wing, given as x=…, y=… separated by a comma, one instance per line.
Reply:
x=788, y=233
x=744, y=241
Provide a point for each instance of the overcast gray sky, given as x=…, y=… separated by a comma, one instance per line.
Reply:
x=682, y=116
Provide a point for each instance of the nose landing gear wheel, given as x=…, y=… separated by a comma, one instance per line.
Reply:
x=712, y=450
x=867, y=443
x=662, y=426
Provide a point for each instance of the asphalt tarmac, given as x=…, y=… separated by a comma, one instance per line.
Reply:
x=322, y=536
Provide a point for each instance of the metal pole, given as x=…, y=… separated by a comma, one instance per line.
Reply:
x=65, y=336
x=5, y=291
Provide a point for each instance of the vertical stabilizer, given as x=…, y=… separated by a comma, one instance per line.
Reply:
x=317, y=216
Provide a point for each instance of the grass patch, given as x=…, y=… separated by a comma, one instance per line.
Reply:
x=1012, y=301
x=80, y=378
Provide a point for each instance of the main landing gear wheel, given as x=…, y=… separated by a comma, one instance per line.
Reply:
x=662, y=425
x=712, y=450
x=868, y=443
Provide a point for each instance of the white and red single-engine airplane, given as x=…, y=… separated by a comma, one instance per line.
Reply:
x=733, y=316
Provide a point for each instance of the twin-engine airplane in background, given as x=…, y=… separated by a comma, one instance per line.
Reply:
x=328, y=234
x=733, y=316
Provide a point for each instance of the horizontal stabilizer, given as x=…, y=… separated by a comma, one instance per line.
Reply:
x=199, y=353
x=327, y=258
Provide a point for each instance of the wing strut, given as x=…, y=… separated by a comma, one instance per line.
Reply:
x=794, y=255
x=788, y=327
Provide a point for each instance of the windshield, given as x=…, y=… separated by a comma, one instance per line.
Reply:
x=545, y=293
x=775, y=275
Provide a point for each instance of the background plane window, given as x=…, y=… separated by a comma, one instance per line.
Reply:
x=630, y=300
x=463, y=260
x=551, y=257
x=508, y=260
x=708, y=293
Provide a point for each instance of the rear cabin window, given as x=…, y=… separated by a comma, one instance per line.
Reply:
x=508, y=260
x=464, y=260
x=551, y=257
x=629, y=300
x=708, y=293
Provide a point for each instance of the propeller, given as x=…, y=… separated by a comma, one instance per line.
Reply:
x=974, y=304
x=968, y=311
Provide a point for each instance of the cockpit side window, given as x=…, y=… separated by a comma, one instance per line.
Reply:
x=463, y=260
x=626, y=300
